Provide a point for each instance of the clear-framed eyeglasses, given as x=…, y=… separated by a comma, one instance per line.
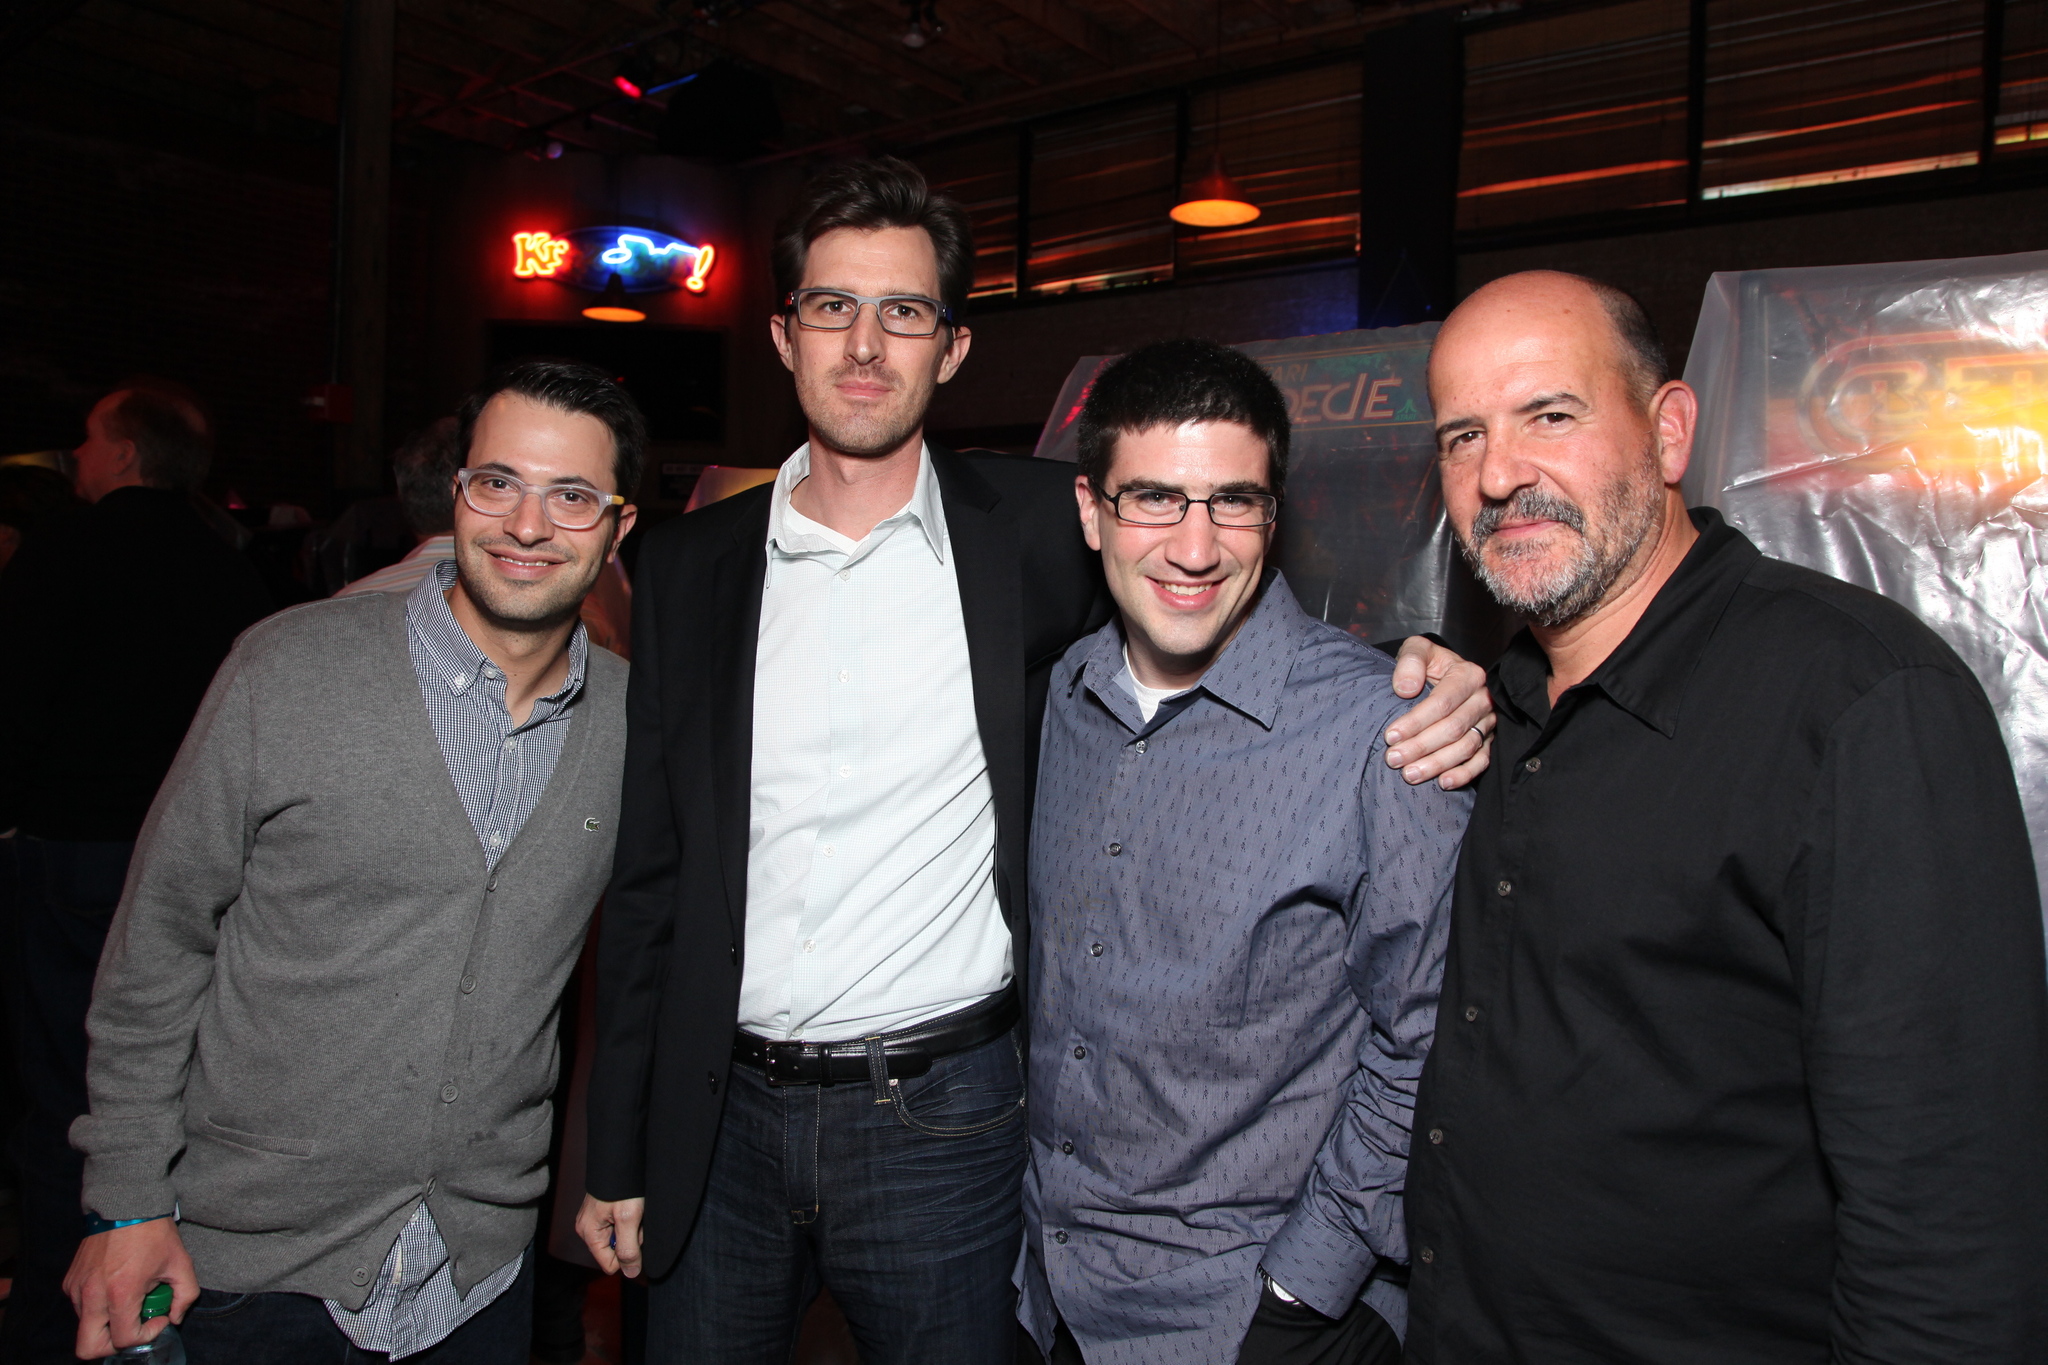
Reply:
x=1159, y=507
x=570, y=506
x=902, y=315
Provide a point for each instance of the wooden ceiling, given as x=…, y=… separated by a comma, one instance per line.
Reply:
x=518, y=74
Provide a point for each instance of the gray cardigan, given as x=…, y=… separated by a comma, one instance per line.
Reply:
x=316, y=1004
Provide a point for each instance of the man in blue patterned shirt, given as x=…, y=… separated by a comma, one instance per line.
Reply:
x=1240, y=916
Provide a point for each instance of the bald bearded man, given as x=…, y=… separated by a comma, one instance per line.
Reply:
x=1740, y=1053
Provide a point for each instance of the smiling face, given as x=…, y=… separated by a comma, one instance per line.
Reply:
x=521, y=571
x=1556, y=471
x=1184, y=590
x=863, y=391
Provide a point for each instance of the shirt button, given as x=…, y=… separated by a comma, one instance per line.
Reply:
x=492, y=674
x=845, y=574
x=461, y=681
x=1059, y=1237
x=1139, y=746
x=1503, y=886
x=809, y=944
x=827, y=850
x=1095, y=950
x=1114, y=849
x=1471, y=1014
x=845, y=674
x=448, y=1093
x=1428, y=1256
x=496, y=838
x=1436, y=1136
x=511, y=744
x=846, y=770
x=1080, y=1053
x=468, y=984
x=1066, y=1148
x=359, y=1276
x=1532, y=765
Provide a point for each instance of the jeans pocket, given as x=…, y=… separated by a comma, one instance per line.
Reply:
x=217, y=1303
x=976, y=1091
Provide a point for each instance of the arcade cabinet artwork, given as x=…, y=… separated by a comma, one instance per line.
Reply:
x=1888, y=424
x=1363, y=536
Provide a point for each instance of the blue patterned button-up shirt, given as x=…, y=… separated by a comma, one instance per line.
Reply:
x=499, y=769
x=1240, y=914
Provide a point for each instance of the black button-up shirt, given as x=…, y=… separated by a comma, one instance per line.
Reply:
x=1741, y=1050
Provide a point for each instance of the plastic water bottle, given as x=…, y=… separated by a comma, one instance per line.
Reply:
x=166, y=1349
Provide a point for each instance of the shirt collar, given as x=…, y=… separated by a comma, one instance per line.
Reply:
x=456, y=659
x=1648, y=673
x=1249, y=676
x=792, y=534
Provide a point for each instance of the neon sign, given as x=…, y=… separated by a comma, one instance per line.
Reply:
x=537, y=255
x=587, y=258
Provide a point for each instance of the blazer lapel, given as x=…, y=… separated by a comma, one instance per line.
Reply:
x=738, y=576
x=987, y=566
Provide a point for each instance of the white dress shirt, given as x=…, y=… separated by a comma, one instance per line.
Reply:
x=871, y=898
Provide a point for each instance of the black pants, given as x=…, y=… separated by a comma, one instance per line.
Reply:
x=295, y=1329
x=58, y=900
x=1290, y=1334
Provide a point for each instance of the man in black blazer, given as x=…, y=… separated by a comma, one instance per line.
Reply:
x=833, y=735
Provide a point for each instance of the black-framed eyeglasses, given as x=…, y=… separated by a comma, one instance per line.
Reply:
x=902, y=315
x=1160, y=507
x=570, y=506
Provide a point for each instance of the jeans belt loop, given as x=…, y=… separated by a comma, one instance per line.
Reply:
x=878, y=1067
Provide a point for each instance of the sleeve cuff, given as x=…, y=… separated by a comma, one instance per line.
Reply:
x=1322, y=1267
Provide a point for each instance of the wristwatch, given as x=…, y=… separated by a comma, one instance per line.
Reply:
x=1274, y=1285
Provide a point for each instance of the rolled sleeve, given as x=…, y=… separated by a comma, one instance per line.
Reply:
x=1350, y=1214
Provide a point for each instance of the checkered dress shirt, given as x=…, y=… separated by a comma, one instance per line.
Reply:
x=500, y=770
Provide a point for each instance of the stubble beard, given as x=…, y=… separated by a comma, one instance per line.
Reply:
x=524, y=606
x=1629, y=508
x=871, y=434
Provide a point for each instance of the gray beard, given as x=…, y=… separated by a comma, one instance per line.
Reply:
x=1629, y=507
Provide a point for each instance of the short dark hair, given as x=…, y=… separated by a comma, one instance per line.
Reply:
x=569, y=386
x=168, y=424
x=1642, y=351
x=424, y=468
x=1171, y=382
x=867, y=196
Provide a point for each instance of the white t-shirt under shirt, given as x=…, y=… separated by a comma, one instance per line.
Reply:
x=1149, y=699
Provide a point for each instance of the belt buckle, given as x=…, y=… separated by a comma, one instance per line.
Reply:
x=785, y=1058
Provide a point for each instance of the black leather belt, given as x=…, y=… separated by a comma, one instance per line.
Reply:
x=906, y=1052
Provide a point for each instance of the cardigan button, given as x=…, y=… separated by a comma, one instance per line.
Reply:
x=448, y=1093
x=359, y=1276
x=468, y=984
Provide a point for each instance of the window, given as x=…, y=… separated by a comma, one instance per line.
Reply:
x=2023, y=78
x=1101, y=186
x=1818, y=92
x=982, y=176
x=1576, y=113
x=1291, y=143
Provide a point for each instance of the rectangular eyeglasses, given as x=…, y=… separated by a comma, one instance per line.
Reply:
x=903, y=315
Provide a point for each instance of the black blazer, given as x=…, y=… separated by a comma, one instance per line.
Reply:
x=669, y=950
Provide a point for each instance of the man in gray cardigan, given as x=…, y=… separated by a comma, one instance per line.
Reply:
x=323, y=1032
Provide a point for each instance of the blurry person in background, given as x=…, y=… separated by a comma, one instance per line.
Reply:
x=114, y=628
x=424, y=468
x=31, y=495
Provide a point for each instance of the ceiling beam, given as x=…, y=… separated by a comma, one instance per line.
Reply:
x=1181, y=19
x=1071, y=26
x=863, y=48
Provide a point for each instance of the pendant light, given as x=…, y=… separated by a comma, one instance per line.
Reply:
x=1215, y=200
x=611, y=305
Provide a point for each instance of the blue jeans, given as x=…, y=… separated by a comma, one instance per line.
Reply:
x=901, y=1198
x=295, y=1329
